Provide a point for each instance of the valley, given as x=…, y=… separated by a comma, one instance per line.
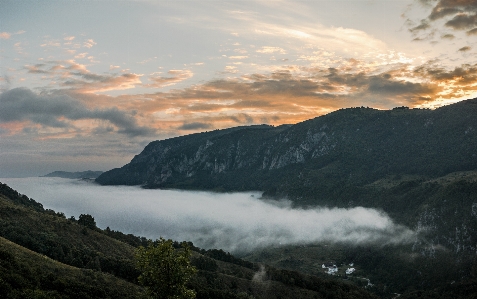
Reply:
x=416, y=165
x=46, y=255
x=392, y=193
x=238, y=149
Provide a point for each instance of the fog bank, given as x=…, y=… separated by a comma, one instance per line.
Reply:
x=234, y=222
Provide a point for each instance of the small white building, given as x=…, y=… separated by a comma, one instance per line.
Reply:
x=332, y=269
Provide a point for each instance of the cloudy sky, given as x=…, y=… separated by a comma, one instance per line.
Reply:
x=87, y=84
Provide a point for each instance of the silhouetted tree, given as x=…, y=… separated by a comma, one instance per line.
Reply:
x=87, y=220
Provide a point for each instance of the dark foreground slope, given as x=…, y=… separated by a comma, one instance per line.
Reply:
x=45, y=255
x=27, y=274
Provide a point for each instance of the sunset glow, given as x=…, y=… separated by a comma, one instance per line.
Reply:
x=87, y=84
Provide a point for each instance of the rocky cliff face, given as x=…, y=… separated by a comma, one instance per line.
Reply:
x=357, y=144
x=419, y=166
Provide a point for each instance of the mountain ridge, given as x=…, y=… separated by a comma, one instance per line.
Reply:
x=358, y=145
x=88, y=174
x=417, y=165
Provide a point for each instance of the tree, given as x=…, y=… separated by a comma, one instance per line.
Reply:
x=87, y=220
x=165, y=271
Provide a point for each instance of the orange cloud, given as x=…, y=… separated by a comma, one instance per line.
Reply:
x=176, y=76
x=76, y=77
x=51, y=43
x=5, y=35
x=271, y=50
x=89, y=43
x=91, y=83
x=238, y=57
x=81, y=55
x=287, y=95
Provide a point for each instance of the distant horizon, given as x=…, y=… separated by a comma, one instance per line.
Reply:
x=81, y=168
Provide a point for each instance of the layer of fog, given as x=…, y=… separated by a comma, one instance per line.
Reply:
x=234, y=222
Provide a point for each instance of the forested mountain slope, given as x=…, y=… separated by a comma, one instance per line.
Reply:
x=354, y=146
x=45, y=255
x=417, y=165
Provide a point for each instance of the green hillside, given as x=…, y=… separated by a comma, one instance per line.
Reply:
x=45, y=255
x=27, y=274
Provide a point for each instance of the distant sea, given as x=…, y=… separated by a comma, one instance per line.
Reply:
x=235, y=222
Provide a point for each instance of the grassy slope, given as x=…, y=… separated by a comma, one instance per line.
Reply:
x=28, y=272
x=64, y=240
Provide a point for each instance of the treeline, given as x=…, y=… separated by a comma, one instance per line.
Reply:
x=103, y=261
x=18, y=198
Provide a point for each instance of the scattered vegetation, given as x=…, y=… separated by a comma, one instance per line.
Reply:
x=27, y=274
x=165, y=270
x=49, y=256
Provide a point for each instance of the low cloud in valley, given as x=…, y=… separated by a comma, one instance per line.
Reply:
x=237, y=222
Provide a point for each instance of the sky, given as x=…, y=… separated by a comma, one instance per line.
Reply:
x=87, y=84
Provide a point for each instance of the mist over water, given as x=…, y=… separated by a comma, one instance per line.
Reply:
x=234, y=222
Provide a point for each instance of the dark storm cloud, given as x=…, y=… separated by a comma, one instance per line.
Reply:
x=126, y=123
x=385, y=85
x=465, y=74
x=448, y=36
x=195, y=126
x=275, y=83
x=465, y=49
x=21, y=104
x=242, y=118
x=461, y=14
x=424, y=25
x=336, y=77
x=462, y=21
x=472, y=32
